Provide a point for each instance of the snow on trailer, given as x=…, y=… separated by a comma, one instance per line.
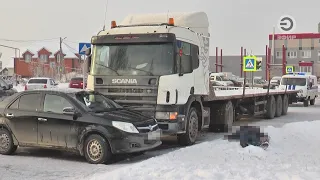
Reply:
x=237, y=92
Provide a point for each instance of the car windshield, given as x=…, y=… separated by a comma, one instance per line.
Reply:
x=3, y=83
x=37, y=81
x=133, y=59
x=224, y=78
x=96, y=102
x=294, y=81
x=259, y=81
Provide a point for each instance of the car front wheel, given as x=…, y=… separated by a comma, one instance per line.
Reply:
x=97, y=149
x=6, y=142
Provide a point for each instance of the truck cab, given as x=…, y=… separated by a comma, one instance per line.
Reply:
x=306, y=83
x=157, y=64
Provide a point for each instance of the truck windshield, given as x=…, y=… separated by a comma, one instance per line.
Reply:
x=294, y=81
x=133, y=59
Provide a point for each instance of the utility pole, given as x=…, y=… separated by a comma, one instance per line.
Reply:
x=61, y=58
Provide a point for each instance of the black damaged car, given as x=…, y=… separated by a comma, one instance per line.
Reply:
x=85, y=122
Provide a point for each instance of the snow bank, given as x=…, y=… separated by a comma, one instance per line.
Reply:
x=293, y=154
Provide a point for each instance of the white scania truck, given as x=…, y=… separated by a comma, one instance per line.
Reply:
x=158, y=64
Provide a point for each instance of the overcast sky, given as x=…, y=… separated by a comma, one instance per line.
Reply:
x=233, y=23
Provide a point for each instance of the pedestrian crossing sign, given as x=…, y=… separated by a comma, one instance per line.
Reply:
x=249, y=63
x=289, y=69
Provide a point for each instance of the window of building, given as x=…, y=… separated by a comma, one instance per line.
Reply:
x=292, y=54
x=306, y=54
x=279, y=54
x=27, y=57
x=44, y=57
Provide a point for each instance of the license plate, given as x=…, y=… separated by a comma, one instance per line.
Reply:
x=154, y=135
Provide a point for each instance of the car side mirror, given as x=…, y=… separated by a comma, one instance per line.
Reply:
x=69, y=111
x=10, y=86
x=310, y=84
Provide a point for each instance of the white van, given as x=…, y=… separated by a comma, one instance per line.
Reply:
x=306, y=83
x=220, y=78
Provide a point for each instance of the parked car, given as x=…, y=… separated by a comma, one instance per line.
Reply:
x=275, y=80
x=77, y=82
x=6, y=89
x=40, y=83
x=85, y=122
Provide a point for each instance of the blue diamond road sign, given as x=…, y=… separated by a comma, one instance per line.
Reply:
x=249, y=63
x=83, y=47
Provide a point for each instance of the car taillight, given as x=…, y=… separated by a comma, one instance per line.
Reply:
x=25, y=87
x=45, y=86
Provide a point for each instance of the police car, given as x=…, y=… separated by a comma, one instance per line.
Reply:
x=305, y=82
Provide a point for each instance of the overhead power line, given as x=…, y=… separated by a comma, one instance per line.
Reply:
x=37, y=40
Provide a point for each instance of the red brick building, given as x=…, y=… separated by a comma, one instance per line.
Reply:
x=46, y=63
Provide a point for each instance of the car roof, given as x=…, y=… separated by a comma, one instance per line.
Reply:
x=60, y=90
x=40, y=78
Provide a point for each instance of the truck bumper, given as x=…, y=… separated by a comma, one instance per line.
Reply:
x=172, y=127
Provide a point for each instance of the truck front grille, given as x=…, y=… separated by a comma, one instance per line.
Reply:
x=142, y=98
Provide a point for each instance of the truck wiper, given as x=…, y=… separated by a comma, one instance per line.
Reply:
x=149, y=73
x=108, y=68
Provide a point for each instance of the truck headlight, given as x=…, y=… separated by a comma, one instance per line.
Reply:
x=166, y=115
x=124, y=126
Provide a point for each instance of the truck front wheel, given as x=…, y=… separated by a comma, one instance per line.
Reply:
x=190, y=137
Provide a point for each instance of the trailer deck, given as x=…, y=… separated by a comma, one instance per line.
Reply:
x=228, y=93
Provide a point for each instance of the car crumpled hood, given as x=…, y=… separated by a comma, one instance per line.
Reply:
x=122, y=115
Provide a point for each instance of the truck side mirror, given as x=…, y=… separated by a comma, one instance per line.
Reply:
x=88, y=52
x=87, y=64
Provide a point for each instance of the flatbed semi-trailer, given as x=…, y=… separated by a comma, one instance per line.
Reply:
x=158, y=64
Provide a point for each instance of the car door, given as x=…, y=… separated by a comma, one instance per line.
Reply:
x=55, y=128
x=22, y=118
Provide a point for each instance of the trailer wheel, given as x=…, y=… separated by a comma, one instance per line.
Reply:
x=190, y=137
x=222, y=117
x=278, y=106
x=285, y=105
x=271, y=108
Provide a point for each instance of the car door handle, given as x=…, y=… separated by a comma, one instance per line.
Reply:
x=9, y=115
x=42, y=119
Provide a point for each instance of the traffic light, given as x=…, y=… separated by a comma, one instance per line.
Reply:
x=259, y=64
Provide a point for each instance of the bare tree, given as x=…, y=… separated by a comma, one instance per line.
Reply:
x=37, y=68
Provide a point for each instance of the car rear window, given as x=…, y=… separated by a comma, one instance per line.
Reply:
x=77, y=79
x=37, y=81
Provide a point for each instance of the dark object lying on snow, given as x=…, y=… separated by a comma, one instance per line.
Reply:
x=249, y=135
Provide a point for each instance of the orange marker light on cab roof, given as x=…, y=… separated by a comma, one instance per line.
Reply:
x=171, y=22
x=113, y=24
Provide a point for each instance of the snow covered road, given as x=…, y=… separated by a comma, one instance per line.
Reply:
x=291, y=153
